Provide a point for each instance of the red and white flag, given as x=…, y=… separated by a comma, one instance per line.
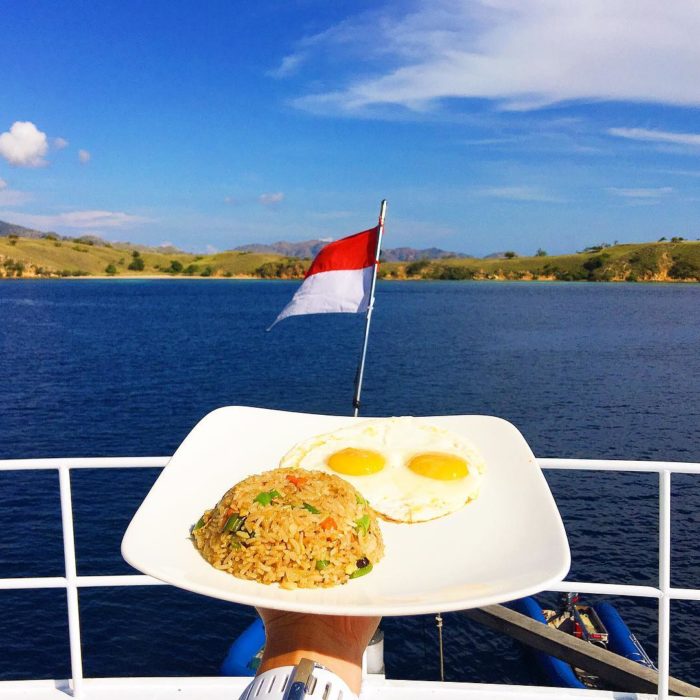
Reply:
x=339, y=279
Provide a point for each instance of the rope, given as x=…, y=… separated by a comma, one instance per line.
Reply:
x=438, y=621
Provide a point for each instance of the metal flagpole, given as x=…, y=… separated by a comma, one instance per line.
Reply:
x=368, y=318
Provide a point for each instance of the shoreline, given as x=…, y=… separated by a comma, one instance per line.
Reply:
x=238, y=278
x=675, y=261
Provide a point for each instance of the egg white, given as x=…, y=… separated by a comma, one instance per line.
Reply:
x=396, y=492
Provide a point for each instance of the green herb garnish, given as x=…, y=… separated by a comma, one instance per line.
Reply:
x=362, y=525
x=311, y=508
x=321, y=564
x=234, y=523
x=264, y=498
x=361, y=572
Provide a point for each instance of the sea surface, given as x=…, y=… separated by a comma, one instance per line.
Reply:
x=127, y=367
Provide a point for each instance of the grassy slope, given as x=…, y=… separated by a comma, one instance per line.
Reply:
x=54, y=256
x=639, y=261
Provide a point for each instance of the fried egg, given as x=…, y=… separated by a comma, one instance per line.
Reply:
x=408, y=470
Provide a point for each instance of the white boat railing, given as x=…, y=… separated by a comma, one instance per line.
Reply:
x=71, y=581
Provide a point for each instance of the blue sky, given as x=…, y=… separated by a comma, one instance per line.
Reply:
x=488, y=124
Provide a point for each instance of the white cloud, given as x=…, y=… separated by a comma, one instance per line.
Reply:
x=12, y=198
x=289, y=66
x=24, y=145
x=519, y=193
x=210, y=249
x=681, y=173
x=270, y=198
x=677, y=138
x=524, y=54
x=60, y=143
x=84, y=156
x=90, y=219
x=640, y=192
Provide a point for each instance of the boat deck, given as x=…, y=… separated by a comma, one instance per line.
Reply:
x=374, y=688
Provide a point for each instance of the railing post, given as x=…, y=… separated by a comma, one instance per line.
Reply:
x=76, y=657
x=664, y=580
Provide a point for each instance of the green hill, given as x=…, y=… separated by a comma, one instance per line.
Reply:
x=632, y=262
x=675, y=260
x=31, y=257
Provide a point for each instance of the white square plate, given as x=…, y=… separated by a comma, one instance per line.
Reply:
x=510, y=542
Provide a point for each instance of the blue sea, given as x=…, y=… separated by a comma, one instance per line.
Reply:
x=127, y=367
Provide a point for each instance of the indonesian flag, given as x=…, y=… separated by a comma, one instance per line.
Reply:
x=339, y=279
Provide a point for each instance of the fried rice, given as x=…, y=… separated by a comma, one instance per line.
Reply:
x=298, y=528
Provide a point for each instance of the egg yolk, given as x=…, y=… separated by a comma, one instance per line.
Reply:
x=356, y=462
x=439, y=465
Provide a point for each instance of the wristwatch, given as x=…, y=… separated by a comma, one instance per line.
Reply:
x=307, y=679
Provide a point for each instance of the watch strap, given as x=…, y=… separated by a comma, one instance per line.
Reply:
x=307, y=680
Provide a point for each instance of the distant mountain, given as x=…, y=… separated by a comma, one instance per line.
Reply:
x=309, y=249
x=302, y=249
x=127, y=245
x=411, y=254
x=7, y=229
x=15, y=230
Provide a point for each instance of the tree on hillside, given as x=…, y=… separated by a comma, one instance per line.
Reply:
x=137, y=262
x=175, y=266
x=510, y=254
x=418, y=266
x=452, y=272
x=541, y=253
x=684, y=270
x=110, y=269
x=595, y=266
x=288, y=268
